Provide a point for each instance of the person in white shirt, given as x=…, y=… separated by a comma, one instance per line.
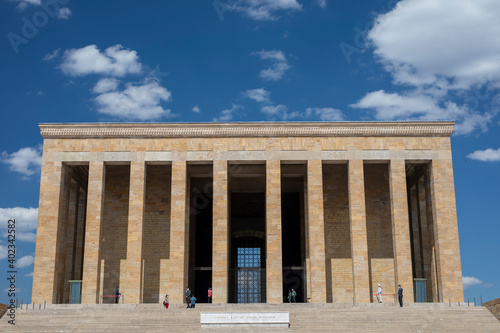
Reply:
x=379, y=293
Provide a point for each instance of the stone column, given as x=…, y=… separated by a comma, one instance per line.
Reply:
x=220, y=240
x=71, y=238
x=46, y=237
x=359, y=244
x=446, y=231
x=133, y=274
x=93, y=229
x=179, y=232
x=400, y=229
x=274, y=264
x=317, y=266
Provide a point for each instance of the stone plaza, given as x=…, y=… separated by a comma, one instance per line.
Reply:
x=252, y=210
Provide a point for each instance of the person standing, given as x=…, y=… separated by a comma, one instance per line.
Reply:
x=188, y=297
x=166, y=302
x=294, y=294
x=400, y=295
x=379, y=293
x=117, y=294
x=193, y=302
x=209, y=295
x=289, y=296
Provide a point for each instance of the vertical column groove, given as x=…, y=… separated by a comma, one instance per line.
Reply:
x=274, y=264
x=179, y=250
x=317, y=285
x=93, y=230
x=359, y=243
x=401, y=228
x=220, y=247
x=133, y=273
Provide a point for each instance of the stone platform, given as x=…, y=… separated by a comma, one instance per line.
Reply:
x=325, y=317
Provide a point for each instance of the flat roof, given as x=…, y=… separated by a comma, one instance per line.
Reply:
x=247, y=129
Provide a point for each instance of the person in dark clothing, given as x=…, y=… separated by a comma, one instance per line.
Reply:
x=400, y=295
x=188, y=297
x=117, y=294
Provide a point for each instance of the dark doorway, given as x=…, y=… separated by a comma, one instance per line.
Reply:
x=200, y=232
x=248, y=261
x=292, y=240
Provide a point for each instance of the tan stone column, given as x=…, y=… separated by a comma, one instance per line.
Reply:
x=132, y=288
x=446, y=231
x=93, y=230
x=274, y=264
x=220, y=240
x=317, y=285
x=401, y=229
x=179, y=231
x=359, y=244
x=46, y=237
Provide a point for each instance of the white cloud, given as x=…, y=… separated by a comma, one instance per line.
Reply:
x=263, y=10
x=322, y=3
x=432, y=48
x=326, y=114
x=3, y=252
x=418, y=106
x=25, y=3
x=114, y=61
x=105, y=85
x=29, y=274
x=279, y=112
x=260, y=95
x=25, y=222
x=135, y=102
x=227, y=114
x=488, y=155
x=64, y=13
x=25, y=261
x=280, y=64
x=469, y=281
x=52, y=55
x=26, y=160
x=421, y=41
x=196, y=109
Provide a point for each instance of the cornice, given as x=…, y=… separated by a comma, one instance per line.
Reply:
x=264, y=129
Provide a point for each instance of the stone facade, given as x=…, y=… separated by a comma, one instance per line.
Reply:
x=354, y=204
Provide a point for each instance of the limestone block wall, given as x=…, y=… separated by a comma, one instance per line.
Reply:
x=156, y=233
x=337, y=234
x=379, y=228
x=114, y=232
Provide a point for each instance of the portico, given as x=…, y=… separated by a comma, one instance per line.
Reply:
x=249, y=209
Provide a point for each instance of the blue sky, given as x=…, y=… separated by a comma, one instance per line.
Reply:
x=255, y=60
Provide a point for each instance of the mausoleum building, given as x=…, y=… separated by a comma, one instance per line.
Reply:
x=252, y=210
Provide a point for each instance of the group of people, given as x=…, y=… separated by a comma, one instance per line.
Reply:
x=400, y=295
x=291, y=295
x=190, y=299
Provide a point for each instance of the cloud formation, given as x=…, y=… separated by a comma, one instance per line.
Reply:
x=488, y=155
x=25, y=261
x=26, y=222
x=437, y=60
x=263, y=10
x=227, y=114
x=25, y=161
x=325, y=114
x=114, y=61
x=260, y=95
x=278, y=67
x=469, y=281
x=136, y=102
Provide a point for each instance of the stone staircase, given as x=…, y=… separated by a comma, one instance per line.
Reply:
x=385, y=317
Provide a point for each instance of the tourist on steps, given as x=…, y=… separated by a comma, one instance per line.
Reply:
x=193, y=302
x=379, y=293
x=165, y=302
x=400, y=295
x=188, y=297
x=209, y=295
